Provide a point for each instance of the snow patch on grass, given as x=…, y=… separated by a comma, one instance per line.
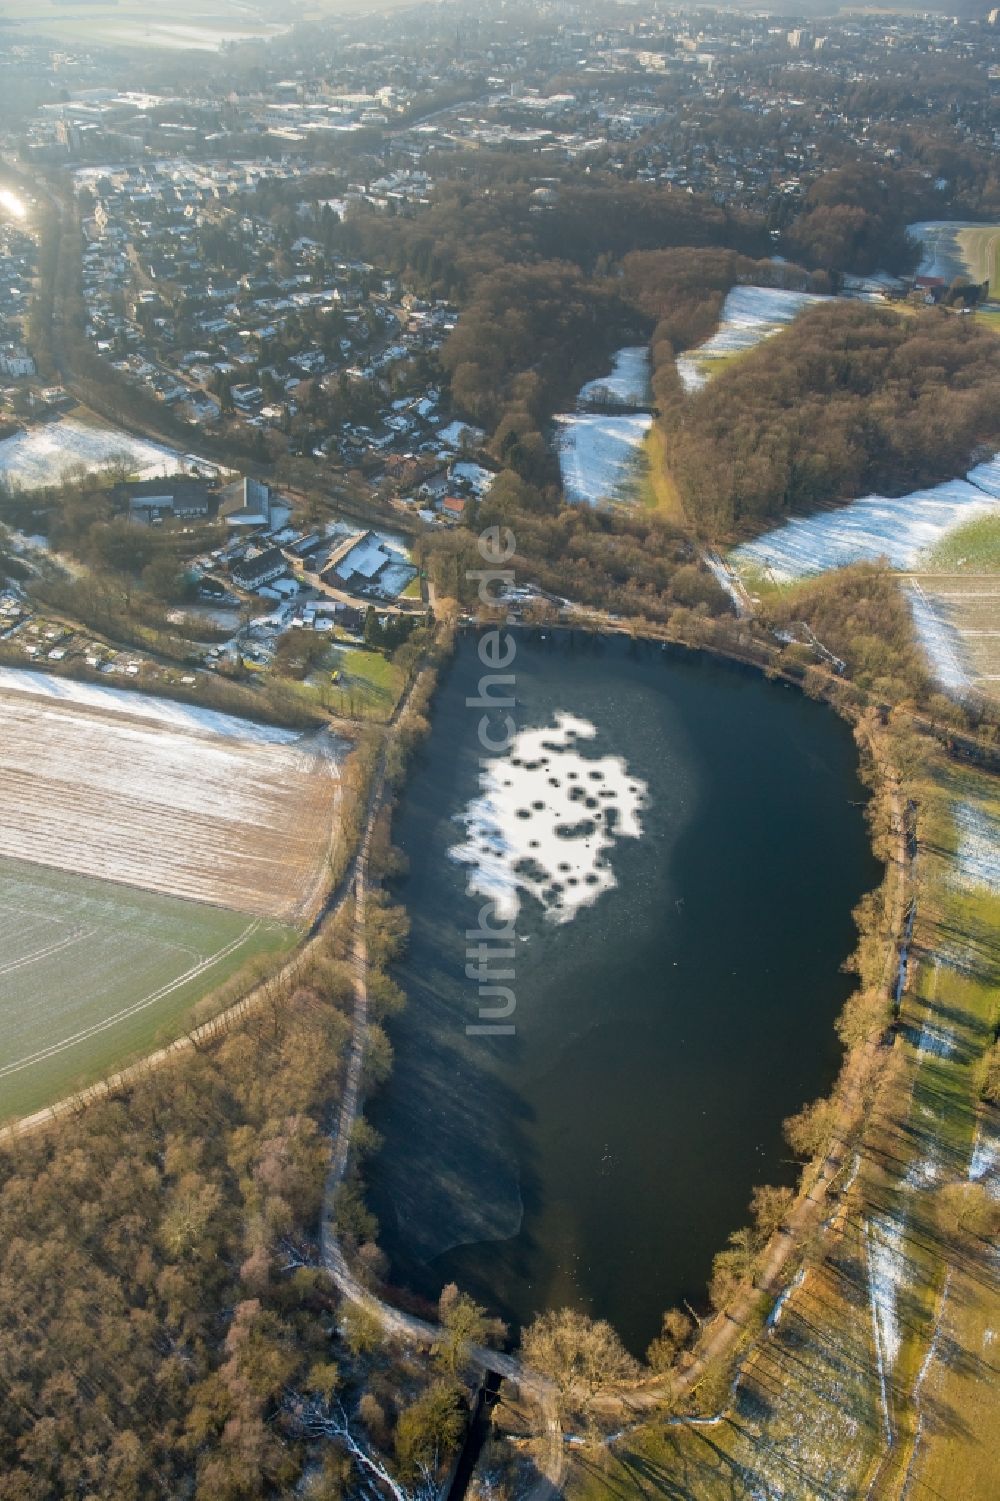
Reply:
x=45, y=454
x=749, y=316
x=178, y=716
x=984, y=1164
x=941, y=642
x=628, y=381
x=977, y=858
x=546, y=821
x=922, y=1174
x=598, y=453
x=939, y=1041
x=886, y=1271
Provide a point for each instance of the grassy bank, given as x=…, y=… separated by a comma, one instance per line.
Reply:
x=659, y=491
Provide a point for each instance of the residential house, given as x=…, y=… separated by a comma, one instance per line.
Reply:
x=261, y=568
x=176, y=496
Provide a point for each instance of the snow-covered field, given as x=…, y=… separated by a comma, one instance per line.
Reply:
x=176, y=37
x=143, y=706
x=749, y=316
x=903, y=530
x=164, y=797
x=540, y=826
x=941, y=642
x=47, y=453
x=628, y=381
x=942, y=252
x=977, y=857
x=598, y=454
x=876, y=526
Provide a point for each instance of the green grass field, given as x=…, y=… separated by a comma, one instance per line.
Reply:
x=980, y=249
x=370, y=682
x=94, y=974
x=975, y=546
x=657, y=487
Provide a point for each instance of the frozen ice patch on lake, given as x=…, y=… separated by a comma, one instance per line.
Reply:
x=598, y=453
x=44, y=455
x=546, y=821
x=749, y=316
x=977, y=858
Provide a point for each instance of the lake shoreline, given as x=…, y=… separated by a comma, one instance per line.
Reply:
x=748, y=655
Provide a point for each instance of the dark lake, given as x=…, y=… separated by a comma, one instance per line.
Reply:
x=690, y=843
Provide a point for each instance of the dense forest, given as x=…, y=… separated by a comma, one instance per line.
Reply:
x=125, y=1238
x=530, y=335
x=850, y=399
x=527, y=339
x=484, y=222
x=855, y=220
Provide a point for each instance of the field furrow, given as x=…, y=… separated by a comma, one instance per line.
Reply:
x=175, y=809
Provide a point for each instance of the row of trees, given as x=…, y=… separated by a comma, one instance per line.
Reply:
x=629, y=561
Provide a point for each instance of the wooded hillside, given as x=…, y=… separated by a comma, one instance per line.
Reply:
x=849, y=400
